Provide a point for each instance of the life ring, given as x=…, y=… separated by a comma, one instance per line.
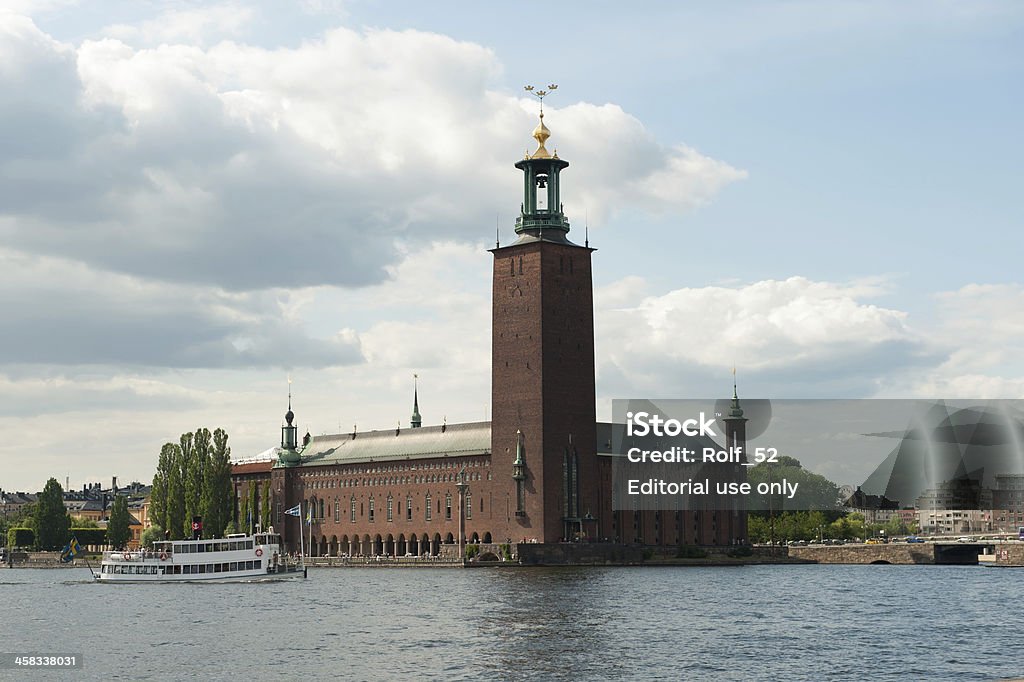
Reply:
x=127, y=556
x=163, y=556
x=259, y=552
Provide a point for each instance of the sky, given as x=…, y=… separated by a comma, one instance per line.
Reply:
x=199, y=200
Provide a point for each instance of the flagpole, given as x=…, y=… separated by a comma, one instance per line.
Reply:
x=89, y=566
x=302, y=544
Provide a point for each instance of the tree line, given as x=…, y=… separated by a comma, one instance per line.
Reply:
x=46, y=524
x=193, y=478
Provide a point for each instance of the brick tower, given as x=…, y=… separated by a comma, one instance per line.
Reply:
x=542, y=385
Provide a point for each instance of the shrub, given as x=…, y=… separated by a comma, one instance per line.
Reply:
x=21, y=537
x=472, y=551
x=690, y=552
x=90, y=537
x=741, y=551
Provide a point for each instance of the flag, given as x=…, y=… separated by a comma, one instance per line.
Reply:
x=70, y=551
x=309, y=515
x=295, y=511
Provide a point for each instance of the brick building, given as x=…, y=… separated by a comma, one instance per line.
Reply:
x=534, y=474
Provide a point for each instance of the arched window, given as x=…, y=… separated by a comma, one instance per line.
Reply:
x=391, y=506
x=352, y=509
x=371, y=510
x=448, y=507
x=428, y=508
x=469, y=505
x=408, y=508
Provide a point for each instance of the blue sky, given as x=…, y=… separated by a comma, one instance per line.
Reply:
x=198, y=199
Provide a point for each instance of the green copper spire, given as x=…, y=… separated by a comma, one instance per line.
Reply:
x=416, y=421
x=735, y=411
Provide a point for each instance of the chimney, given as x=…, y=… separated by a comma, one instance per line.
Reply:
x=113, y=485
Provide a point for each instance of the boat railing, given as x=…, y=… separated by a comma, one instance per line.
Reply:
x=136, y=555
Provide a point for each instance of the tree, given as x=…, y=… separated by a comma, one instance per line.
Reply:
x=193, y=478
x=176, y=495
x=813, y=490
x=254, y=509
x=118, y=529
x=201, y=458
x=218, y=495
x=192, y=475
x=158, y=496
x=265, y=509
x=52, y=522
x=243, y=517
x=152, y=534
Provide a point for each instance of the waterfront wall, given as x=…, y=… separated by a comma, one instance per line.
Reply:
x=867, y=554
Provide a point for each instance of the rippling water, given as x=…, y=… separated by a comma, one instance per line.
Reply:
x=747, y=623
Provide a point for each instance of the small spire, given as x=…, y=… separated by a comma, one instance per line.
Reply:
x=735, y=411
x=416, y=421
x=289, y=416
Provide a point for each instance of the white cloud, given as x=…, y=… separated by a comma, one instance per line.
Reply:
x=981, y=328
x=788, y=338
x=249, y=168
x=196, y=25
x=762, y=325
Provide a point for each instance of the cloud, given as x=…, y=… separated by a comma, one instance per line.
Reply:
x=247, y=168
x=194, y=25
x=794, y=335
x=59, y=312
x=981, y=329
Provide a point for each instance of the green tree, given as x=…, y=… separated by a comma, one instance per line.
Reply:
x=152, y=534
x=201, y=457
x=254, y=509
x=218, y=494
x=52, y=521
x=192, y=475
x=243, y=516
x=814, y=492
x=118, y=529
x=265, y=507
x=158, y=497
x=176, y=495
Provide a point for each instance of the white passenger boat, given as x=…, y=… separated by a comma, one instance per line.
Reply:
x=236, y=557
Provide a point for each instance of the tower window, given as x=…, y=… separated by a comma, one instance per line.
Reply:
x=520, y=265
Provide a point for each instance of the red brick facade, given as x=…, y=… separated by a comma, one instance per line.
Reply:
x=542, y=373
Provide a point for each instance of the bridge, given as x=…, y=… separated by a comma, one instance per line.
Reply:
x=1008, y=553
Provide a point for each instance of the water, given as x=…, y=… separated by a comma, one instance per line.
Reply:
x=747, y=623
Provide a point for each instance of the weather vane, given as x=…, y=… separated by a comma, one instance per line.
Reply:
x=540, y=94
